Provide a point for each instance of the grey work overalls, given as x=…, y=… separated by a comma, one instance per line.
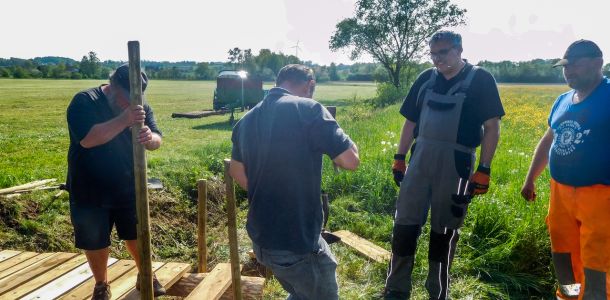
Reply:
x=435, y=180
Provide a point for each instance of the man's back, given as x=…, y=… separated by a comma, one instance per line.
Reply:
x=281, y=142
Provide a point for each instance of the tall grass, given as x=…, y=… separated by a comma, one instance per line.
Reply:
x=503, y=252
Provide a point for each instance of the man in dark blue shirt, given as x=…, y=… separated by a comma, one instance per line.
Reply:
x=100, y=170
x=277, y=157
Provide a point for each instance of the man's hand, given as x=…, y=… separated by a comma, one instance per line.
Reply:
x=399, y=168
x=145, y=135
x=479, y=181
x=528, y=191
x=133, y=115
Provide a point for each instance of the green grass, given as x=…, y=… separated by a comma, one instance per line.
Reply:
x=503, y=252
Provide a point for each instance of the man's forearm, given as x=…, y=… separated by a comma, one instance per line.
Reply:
x=489, y=143
x=102, y=133
x=406, y=137
x=541, y=157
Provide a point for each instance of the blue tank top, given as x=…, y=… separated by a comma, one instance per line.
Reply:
x=579, y=153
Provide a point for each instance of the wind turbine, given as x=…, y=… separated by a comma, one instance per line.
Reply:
x=296, y=48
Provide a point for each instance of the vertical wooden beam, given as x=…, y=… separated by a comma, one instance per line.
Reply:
x=139, y=165
x=232, y=225
x=202, y=217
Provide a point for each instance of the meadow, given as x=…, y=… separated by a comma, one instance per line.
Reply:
x=503, y=252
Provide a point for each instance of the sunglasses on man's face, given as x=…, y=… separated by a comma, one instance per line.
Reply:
x=440, y=53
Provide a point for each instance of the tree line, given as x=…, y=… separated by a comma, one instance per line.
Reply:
x=265, y=64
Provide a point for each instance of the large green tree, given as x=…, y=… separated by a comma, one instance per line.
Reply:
x=394, y=32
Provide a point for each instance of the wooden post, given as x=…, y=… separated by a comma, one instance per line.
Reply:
x=202, y=216
x=232, y=224
x=139, y=165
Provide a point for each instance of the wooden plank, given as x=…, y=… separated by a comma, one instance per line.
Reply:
x=127, y=282
x=186, y=284
x=199, y=114
x=251, y=289
x=24, y=264
x=167, y=275
x=232, y=228
x=64, y=283
x=83, y=289
x=33, y=271
x=6, y=254
x=363, y=246
x=202, y=216
x=49, y=276
x=26, y=186
x=214, y=284
x=17, y=259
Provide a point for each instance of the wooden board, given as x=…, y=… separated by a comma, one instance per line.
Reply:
x=6, y=254
x=32, y=271
x=16, y=259
x=41, y=280
x=213, y=285
x=167, y=275
x=64, y=283
x=24, y=264
x=85, y=289
x=127, y=282
x=199, y=114
x=251, y=289
x=363, y=246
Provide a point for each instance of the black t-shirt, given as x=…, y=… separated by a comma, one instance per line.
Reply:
x=481, y=104
x=281, y=142
x=101, y=175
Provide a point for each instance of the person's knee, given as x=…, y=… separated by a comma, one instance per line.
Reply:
x=440, y=245
x=404, y=239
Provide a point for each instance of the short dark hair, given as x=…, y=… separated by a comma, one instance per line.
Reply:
x=294, y=73
x=120, y=77
x=446, y=35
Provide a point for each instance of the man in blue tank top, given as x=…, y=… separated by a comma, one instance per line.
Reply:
x=576, y=148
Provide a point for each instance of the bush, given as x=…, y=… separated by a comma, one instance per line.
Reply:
x=388, y=94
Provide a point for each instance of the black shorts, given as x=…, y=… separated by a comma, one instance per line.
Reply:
x=93, y=225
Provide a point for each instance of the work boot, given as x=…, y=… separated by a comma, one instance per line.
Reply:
x=101, y=291
x=394, y=295
x=329, y=237
x=158, y=289
x=568, y=291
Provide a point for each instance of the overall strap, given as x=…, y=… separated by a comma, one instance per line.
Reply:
x=463, y=85
x=428, y=84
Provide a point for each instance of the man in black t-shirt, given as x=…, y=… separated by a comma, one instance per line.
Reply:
x=100, y=171
x=277, y=158
x=450, y=110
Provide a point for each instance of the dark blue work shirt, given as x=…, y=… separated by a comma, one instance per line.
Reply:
x=281, y=142
x=101, y=175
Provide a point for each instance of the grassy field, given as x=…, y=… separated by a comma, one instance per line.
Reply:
x=503, y=252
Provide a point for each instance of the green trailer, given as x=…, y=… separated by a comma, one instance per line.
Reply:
x=235, y=89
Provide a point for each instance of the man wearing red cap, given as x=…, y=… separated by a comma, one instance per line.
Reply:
x=576, y=148
x=100, y=171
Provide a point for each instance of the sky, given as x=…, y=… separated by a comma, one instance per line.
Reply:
x=204, y=30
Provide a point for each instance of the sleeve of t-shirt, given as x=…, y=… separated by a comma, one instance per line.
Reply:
x=325, y=135
x=489, y=103
x=409, y=107
x=80, y=116
x=235, y=150
x=150, y=120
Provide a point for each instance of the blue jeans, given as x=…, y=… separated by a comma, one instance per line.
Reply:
x=304, y=276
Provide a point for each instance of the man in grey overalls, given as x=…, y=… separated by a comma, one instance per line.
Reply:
x=450, y=110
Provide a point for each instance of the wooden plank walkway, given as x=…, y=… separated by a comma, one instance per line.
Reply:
x=29, y=275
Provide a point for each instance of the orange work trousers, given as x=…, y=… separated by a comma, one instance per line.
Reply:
x=579, y=226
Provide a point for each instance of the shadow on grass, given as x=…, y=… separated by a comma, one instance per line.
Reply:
x=222, y=125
